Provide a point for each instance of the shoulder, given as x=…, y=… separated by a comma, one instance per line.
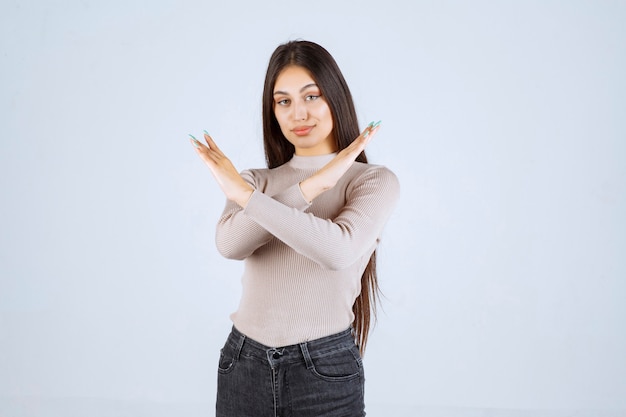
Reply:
x=255, y=173
x=260, y=177
x=252, y=177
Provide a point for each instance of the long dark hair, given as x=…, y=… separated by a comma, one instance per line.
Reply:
x=325, y=71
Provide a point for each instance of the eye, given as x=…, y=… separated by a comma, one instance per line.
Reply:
x=312, y=97
x=283, y=102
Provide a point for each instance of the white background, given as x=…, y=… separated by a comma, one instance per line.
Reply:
x=503, y=265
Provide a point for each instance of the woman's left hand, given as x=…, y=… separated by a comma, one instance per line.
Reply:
x=327, y=177
x=227, y=177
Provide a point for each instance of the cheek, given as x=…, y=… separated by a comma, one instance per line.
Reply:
x=323, y=113
x=328, y=117
x=280, y=118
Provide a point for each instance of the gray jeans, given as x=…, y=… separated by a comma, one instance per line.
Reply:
x=322, y=377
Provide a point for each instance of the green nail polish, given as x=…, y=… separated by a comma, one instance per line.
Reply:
x=371, y=124
x=195, y=141
x=206, y=133
x=377, y=123
x=366, y=134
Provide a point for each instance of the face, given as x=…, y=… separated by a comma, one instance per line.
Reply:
x=303, y=113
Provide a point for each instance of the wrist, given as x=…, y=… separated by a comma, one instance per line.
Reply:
x=243, y=197
x=312, y=187
x=305, y=194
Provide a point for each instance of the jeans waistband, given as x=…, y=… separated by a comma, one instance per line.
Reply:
x=243, y=345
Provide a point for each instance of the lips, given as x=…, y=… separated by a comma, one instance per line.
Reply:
x=302, y=130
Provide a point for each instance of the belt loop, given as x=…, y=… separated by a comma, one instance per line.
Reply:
x=307, y=355
x=242, y=339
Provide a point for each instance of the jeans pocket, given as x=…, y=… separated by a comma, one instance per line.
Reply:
x=339, y=365
x=227, y=360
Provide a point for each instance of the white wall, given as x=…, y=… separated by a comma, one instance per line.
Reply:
x=503, y=265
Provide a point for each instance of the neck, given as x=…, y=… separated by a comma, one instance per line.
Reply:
x=310, y=161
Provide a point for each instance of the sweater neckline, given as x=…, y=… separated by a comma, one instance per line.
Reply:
x=310, y=162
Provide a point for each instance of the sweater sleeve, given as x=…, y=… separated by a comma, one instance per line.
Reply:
x=237, y=236
x=333, y=243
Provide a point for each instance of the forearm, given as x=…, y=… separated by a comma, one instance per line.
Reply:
x=338, y=242
x=238, y=235
x=313, y=186
x=327, y=177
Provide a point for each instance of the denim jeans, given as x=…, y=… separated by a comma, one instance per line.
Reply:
x=322, y=377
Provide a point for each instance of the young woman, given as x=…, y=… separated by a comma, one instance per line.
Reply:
x=307, y=228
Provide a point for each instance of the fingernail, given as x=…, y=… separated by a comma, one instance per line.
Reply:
x=194, y=141
x=371, y=124
x=377, y=123
x=206, y=133
x=366, y=134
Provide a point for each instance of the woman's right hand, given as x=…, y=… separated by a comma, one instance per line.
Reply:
x=327, y=177
x=232, y=184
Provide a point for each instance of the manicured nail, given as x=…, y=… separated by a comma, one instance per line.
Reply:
x=206, y=133
x=194, y=141
x=366, y=134
x=377, y=123
x=370, y=125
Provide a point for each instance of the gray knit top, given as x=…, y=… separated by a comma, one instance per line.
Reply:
x=303, y=262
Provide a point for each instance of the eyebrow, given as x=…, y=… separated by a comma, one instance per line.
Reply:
x=301, y=90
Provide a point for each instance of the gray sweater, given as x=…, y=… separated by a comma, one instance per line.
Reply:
x=303, y=262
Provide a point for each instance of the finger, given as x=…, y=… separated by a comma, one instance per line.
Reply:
x=355, y=148
x=209, y=140
x=372, y=127
x=372, y=133
x=359, y=144
x=207, y=154
x=367, y=129
x=368, y=133
x=195, y=142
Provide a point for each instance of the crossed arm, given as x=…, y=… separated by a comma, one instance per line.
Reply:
x=332, y=243
x=238, y=190
x=252, y=218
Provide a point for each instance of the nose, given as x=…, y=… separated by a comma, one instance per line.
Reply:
x=299, y=111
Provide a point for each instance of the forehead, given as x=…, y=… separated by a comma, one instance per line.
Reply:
x=292, y=79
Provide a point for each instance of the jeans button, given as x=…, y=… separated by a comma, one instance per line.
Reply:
x=276, y=355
